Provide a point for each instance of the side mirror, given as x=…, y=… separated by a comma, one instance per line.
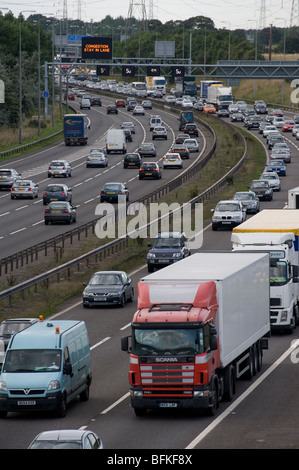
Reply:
x=125, y=344
x=67, y=369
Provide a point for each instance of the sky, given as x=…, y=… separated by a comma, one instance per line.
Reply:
x=228, y=14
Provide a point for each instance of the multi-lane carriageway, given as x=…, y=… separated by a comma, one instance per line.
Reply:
x=264, y=413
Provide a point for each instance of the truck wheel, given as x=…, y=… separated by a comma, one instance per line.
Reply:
x=229, y=383
x=211, y=411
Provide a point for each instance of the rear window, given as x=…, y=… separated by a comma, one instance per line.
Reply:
x=54, y=189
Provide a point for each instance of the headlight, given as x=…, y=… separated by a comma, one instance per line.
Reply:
x=151, y=255
x=3, y=387
x=87, y=294
x=177, y=255
x=284, y=315
x=54, y=385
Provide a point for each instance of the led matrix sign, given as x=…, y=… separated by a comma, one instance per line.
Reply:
x=96, y=48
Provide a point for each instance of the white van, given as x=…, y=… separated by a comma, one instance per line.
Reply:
x=46, y=366
x=116, y=141
x=155, y=121
x=85, y=102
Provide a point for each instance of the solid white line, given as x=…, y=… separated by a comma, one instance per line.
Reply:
x=239, y=400
x=5, y=213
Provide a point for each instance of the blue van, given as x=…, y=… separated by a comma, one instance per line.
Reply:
x=46, y=366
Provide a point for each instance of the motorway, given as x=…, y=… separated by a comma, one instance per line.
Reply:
x=264, y=413
x=22, y=220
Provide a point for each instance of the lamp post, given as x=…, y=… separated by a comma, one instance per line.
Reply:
x=20, y=75
x=284, y=55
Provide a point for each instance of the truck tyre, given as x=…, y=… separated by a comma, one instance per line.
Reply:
x=259, y=355
x=229, y=383
x=211, y=411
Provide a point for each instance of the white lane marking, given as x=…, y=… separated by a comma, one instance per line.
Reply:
x=124, y=397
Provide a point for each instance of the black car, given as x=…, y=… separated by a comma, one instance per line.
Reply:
x=60, y=211
x=112, y=109
x=237, y=117
x=95, y=100
x=222, y=112
x=191, y=129
x=253, y=122
x=150, y=170
x=168, y=248
x=108, y=288
x=132, y=160
x=57, y=192
x=262, y=189
x=182, y=150
x=180, y=138
x=128, y=135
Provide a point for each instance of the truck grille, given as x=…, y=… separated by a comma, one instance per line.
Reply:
x=275, y=302
x=167, y=379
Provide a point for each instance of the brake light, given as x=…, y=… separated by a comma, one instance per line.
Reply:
x=63, y=193
x=141, y=169
x=45, y=193
x=29, y=189
x=102, y=192
x=120, y=192
x=12, y=189
x=66, y=211
x=47, y=211
x=49, y=168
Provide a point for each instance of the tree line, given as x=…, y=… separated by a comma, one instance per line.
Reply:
x=130, y=38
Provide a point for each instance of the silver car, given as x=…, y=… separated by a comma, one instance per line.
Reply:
x=192, y=145
x=8, y=176
x=59, y=168
x=96, y=158
x=273, y=179
x=249, y=200
x=24, y=188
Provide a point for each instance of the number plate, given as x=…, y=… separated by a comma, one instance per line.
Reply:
x=168, y=405
x=26, y=402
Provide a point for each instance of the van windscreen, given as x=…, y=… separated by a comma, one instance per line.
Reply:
x=32, y=360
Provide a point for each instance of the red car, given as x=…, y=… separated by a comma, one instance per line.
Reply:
x=120, y=103
x=70, y=97
x=277, y=112
x=288, y=126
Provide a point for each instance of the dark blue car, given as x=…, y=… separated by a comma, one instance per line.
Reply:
x=277, y=165
x=168, y=247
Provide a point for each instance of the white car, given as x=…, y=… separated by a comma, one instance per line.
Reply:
x=295, y=129
x=269, y=129
x=192, y=145
x=170, y=99
x=228, y=213
x=278, y=121
x=96, y=158
x=172, y=160
x=187, y=103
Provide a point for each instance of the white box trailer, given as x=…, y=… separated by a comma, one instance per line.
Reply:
x=242, y=283
x=221, y=301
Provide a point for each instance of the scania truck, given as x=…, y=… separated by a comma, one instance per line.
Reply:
x=201, y=323
x=275, y=231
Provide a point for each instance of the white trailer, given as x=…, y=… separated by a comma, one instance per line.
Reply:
x=275, y=231
x=221, y=300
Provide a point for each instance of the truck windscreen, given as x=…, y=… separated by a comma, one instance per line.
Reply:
x=148, y=342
